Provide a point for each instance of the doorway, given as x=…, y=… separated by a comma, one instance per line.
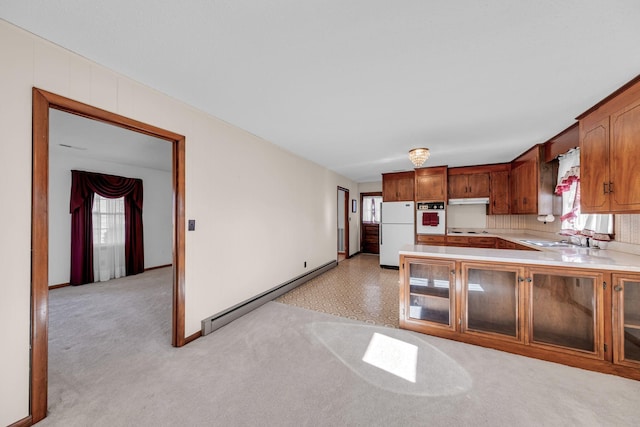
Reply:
x=343, y=223
x=42, y=102
x=370, y=209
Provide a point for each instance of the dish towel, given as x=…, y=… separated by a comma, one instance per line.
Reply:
x=430, y=218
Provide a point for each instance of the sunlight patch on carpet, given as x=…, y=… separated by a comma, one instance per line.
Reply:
x=394, y=356
x=394, y=360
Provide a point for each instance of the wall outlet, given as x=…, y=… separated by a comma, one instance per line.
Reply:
x=192, y=224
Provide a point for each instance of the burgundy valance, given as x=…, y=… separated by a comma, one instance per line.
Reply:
x=83, y=186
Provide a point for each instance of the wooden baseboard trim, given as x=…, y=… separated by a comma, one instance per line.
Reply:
x=157, y=267
x=192, y=337
x=59, y=285
x=25, y=422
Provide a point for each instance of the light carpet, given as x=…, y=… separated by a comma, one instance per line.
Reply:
x=111, y=364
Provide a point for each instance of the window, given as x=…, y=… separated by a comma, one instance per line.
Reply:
x=108, y=220
x=108, y=238
x=595, y=226
x=371, y=206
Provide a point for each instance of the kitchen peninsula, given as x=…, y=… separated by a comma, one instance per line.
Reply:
x=567, y=304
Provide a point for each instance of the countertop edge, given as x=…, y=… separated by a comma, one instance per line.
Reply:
x=583, y=258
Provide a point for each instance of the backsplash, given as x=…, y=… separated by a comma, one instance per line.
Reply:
x=466, y=216
x=627, y=227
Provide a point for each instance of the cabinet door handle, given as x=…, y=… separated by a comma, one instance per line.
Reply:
x=529, y=280
x=604, y=188
x=611, y=187
x=617, y=288
x=453, y=272
x=520, y=279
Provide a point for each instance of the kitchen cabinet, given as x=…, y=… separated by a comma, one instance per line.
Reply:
x=482, y=242
x=561, y=314
x=493, y=300
x=468, y=185
x=398, y=186
x=471, y=241
x=566, y=310
x=431, y=184
x=429, y=295
x=532, y=184
x=430, y=239
x=490, y=181
x=499, y=194
x=609, y=155
x=457, y=241
x=507, y=244
x=626, y=319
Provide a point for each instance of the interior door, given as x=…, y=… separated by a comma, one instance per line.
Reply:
x=343, y=223
x=370, y=206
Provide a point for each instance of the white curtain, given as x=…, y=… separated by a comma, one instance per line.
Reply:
x=596, y=226
x=108, y=238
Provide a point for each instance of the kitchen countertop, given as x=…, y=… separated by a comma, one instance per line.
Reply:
x=576, y=257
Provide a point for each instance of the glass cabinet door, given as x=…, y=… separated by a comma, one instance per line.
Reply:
x=431, y=292
x=627, y=322
x=492, y=299
x=565, y=310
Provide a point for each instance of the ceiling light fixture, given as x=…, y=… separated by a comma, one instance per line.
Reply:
x=418, y=156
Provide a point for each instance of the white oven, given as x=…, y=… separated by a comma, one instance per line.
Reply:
x=431, y=218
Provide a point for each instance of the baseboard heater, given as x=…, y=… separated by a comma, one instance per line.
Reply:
x=218, y=320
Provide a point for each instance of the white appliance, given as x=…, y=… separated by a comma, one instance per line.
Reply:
x=396, y=230
x=431, y=218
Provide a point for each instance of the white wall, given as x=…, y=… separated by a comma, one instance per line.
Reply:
x=234, y=254
x=156, y=210
x=370, y=187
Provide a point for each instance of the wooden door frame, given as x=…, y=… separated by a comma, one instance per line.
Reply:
x=346, y=220
x=362, y=196
x=42, y=102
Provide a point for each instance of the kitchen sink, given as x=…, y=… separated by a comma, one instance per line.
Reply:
x=550, y=244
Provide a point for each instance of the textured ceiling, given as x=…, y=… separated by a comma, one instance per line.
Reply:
x=71, y=135
x=353, y=85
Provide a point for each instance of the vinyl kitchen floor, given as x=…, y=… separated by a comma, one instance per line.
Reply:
x=357, y=289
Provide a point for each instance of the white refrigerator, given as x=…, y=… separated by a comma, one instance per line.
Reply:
x=396, y=230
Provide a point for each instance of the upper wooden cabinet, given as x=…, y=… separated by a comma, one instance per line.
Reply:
x=532, y=183
x=398, y=186
x=610, y=154
x=431, y=184
x=490, y=181
x=468, y=185
x=499, y=195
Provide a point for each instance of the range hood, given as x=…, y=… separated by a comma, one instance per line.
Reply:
x=470, y=201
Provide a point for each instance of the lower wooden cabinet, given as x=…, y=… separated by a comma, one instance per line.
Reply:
x=565, y=310
x=482, y=242
x=626, y=319
x=565, y=315
x=430, y=239
x=431, y=293
x=492, y=301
